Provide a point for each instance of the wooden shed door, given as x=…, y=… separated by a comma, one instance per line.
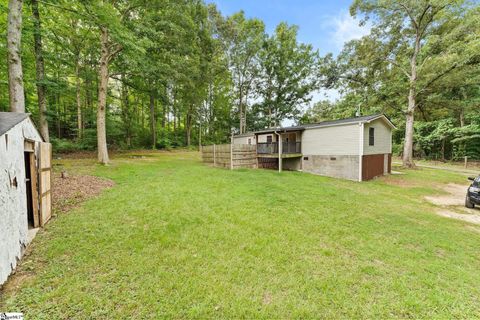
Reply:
x=45, y=183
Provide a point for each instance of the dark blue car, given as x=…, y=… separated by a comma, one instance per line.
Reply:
x=473, y=193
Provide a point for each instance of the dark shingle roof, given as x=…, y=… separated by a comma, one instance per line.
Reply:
x=344, y=121
x=328, y=123
x=8, y=120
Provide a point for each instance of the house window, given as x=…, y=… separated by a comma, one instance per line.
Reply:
x=249, y=141
x=269, y=139
x=371, y=136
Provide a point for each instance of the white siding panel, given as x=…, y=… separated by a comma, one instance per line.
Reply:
x=383, y=138
x=262, y=138
x=244, y=139
x=335, y=140
x=13, y=199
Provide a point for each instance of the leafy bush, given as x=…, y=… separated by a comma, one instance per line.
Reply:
x=67, y=146
x=397, y=149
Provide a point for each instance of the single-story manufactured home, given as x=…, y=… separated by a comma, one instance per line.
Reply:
x=357, y=148
x=25, y=175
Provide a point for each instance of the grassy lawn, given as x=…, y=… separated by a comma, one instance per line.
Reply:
x=175, y=238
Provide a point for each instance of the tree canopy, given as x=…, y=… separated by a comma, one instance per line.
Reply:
x=164, y=73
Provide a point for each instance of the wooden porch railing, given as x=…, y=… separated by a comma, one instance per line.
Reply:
x=272, y=147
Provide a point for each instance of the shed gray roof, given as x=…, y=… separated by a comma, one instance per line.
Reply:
x=8, y=120
x=329, y=123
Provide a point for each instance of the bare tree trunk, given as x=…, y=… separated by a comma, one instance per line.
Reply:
x=174, y=115
x=188, y=125
x=128, y=117
x=240, y=109
x=102, y=99
x=200, y=135
x=15, y=73
x=153, y=127
x=40, y=67
x=57, y=111
x=78, y=99
x=408, y=143
x=88, y=98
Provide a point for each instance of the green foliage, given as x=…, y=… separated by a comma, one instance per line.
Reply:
x=288, y=76
x=422, y=55
x=68, y=146
x=467, y=140
x=200, y=75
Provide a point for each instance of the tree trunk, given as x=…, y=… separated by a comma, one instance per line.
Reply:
x=15, y=73
x=174, y=115
x=102, y=98
x=127, y=116
x=443, y=150
x=40, y=68
x=78, y=99
x=188, y=125
x=412, y=95
x=57, y=111
x=240, y=109
x=153, y=127
x=408, y=143
x=200, y=135
x=164, y=114
x=88, y=98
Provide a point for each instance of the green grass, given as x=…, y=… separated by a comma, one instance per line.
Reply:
x=177, y=239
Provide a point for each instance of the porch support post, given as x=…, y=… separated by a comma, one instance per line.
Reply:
x=360, y=151
x=256, y=148
x=214, y=156
x=280, y=152
x=231, y=152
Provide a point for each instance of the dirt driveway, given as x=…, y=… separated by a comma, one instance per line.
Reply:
x=452, y=205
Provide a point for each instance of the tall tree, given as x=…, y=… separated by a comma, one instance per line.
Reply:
x=242, y=39
x=403, y=28
x=108, y=51
x=40, y=71
x=15, y=72
x=288, y=75
x=111, y=18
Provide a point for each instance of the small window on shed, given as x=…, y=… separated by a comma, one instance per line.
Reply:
x=371, y=136
x=269, y=139
x=249, y=141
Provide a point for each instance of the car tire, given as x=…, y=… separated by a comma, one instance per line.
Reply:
x=468, y=204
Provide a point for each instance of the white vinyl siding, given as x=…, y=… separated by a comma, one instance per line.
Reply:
x=244, y=140
x=334, y=140
x=262, y=138
x=383, y=138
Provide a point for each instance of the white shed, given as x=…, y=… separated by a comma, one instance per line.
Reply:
x=25, y=178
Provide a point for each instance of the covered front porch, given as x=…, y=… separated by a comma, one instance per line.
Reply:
x=275, y=147
x=271, y=143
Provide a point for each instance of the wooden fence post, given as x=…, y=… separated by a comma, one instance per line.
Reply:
x=214, y=157
x=231, y=153
x=466, y=161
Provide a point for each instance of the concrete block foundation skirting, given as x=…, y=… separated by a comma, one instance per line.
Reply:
x=345, y=167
